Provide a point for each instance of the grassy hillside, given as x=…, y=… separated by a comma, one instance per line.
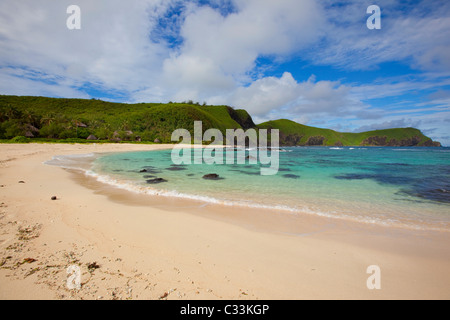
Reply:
x=295, y=134
x=76, y=118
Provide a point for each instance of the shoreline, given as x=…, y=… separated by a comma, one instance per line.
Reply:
x=167, y=246
x=264, y=220
x=167, y=195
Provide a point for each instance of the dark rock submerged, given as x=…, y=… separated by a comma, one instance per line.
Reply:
x=211, y=176
x=156, y=181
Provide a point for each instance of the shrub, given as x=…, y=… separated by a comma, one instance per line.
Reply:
x=148, y=136
x=19, y=139
x=103, y=133
x=74, y=140
x=51, y=131
x=83, y=133
x=12, y=129
x=67, y=134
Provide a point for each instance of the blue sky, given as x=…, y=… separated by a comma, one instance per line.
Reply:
x=315, y=62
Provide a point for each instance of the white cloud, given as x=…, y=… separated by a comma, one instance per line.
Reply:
x=112, y=49
x=190, y=77
x=14, y=83
x=398, y=123
x=219, y=52
x=284, y=97
x=415, y=33
x=324, y=97
x=266, y=94
x=260, y=27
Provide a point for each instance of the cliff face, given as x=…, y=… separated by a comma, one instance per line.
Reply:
x=242, y=118
x=407, y=142
x=431, y=143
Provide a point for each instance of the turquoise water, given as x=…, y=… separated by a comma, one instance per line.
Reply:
x=407, y=187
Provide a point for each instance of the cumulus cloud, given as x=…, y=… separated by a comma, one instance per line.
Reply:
x=219, y=52
x=325, y=97
x=266, y=94
x=259, y=27
x=112, y=49
x=285, y=97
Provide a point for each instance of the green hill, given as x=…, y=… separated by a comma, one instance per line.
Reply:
x=295, y=134
x=53, y=118
x=75, y=120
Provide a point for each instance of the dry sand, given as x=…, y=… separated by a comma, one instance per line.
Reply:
x=134, y=247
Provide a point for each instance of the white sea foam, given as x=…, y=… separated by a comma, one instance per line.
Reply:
x=75, y=161
x=132, y=186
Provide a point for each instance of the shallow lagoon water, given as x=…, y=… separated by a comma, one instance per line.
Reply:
x=406, y=187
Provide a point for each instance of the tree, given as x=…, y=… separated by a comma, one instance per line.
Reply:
x=31, y=118
x=12, y=128
x=53, y=130
x=12, y=113
x=104, y=133
x=125, y=126
x=3, y=116
x=48, y=119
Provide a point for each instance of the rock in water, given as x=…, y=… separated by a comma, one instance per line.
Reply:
x=176, y=168
x=211, y=176
x=156, y=181
x=291, y=176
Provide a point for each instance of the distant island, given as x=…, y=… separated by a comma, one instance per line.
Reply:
x=33, y=119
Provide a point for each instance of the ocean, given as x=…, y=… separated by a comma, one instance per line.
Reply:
x=402, y=187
